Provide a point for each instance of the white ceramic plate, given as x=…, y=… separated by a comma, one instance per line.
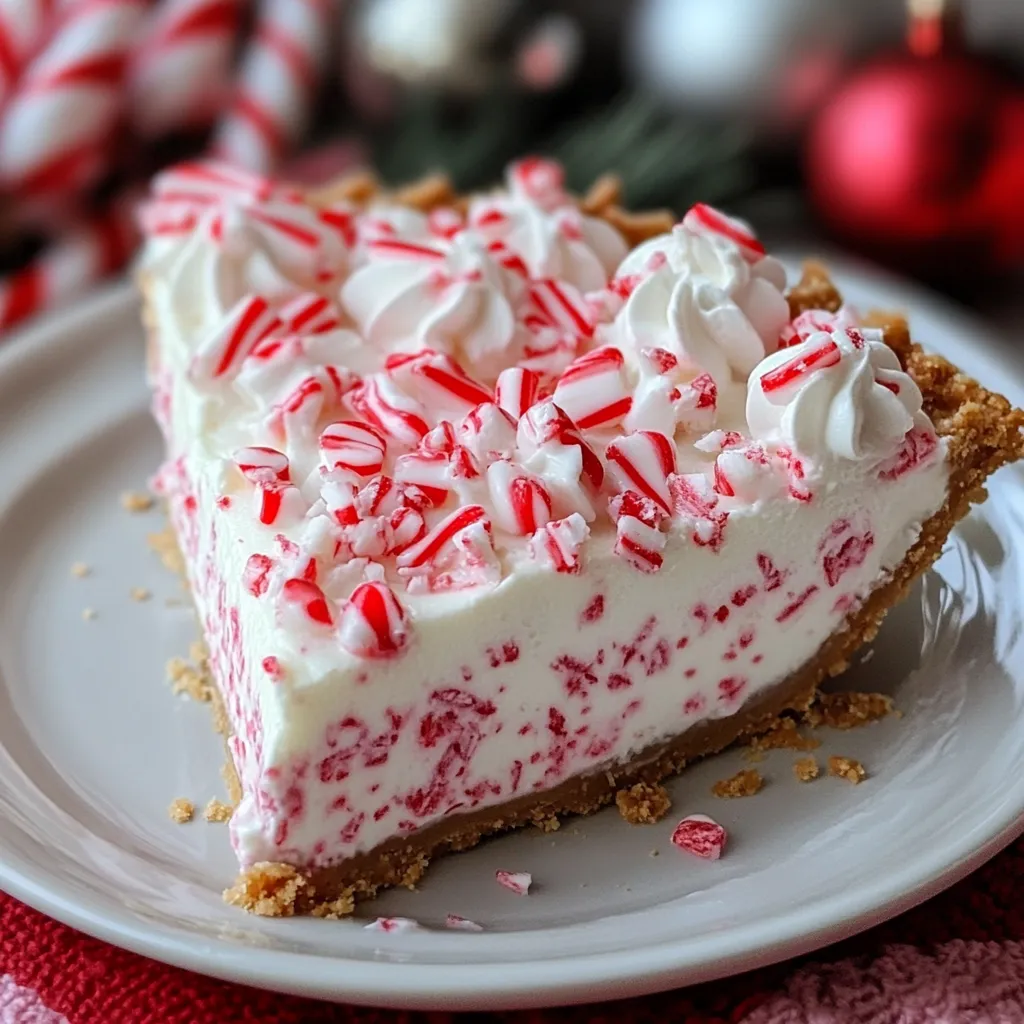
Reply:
x=93, y=747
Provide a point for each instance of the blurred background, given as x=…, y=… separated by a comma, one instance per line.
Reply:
x=893, y=128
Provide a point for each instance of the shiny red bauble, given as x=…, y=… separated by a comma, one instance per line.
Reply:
x=920, y=161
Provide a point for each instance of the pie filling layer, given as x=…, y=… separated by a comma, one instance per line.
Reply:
x=479, y=500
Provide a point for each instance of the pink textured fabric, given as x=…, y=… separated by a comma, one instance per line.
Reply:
x=976, y=982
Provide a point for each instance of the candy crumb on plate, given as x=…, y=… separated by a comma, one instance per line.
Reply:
x=700, y=835
x=461, y=924
x=518, y=882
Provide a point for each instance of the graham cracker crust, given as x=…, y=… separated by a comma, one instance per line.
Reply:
x=983, y=433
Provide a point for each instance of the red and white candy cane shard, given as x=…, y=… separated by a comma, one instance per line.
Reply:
x=354, y=447
x=57, y=128
x=441, y=536
x=430, y=471
x=392, y=924
x=391, y=410
x=209, y=183
x=308, y=600
x=445, y=222
x=180, y=72
x=700, y=835
x=275, y=502
x=538, y=179
x=558, y=304
x=811, y=321
x=461, y=924
x=263, y=465
x=521, y=502
x=222, y=351
x=641, y=545
x=643, y=461
x=256, y=574
x=86, y=255
x=660, y=359
x=593, y=391
x=439, y=381
x=546, y=422
x=372, y=623
x=819, y=356
x=704, y=219
x=558, y=544
x=518, y=882
x=407, y=528
x=277, y=79
x=516, y=390
x=310, y=313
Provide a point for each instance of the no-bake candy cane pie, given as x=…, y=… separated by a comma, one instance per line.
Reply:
x=493, y=508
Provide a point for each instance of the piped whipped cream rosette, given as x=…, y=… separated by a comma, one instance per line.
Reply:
x=410, y=450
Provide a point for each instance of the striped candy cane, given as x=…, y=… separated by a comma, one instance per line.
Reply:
x=56, y=131
x=71, y=265
x=179, y=75
x=23, y=28
x=277, y=79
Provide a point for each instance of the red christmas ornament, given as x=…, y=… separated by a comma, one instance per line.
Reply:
x=919, y=157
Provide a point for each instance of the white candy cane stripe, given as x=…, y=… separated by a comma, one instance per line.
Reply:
x=641, y=545
x=643, y=461
x=262, y=465
x=521, y=502
x=354, y=447
x=558, y=544
x=23, y=27
x=372, y=622
x=221, y=352
x=279, y=74
x=310, y=313
x=180, y=73
x=559, y=304
x=72, y=264
x=516, y=390
x=385, y=406
x=704, y=219
x=56, y=130
x=593, y=390
x=442, y=536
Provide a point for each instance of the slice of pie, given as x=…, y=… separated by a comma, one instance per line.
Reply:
x=493, y=508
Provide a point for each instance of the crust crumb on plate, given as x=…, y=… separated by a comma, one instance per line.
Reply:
x=137, y=501
x=217, y=811
x=848, y=710
x=140, y=594
x=806, y=769
x=193, y=680
x=848, y=768
x=784, y=735
x=80, y=570
x=270, y=890
x=89, y=614
x=643, y=803
x=165, y=544
x=744, y=783
x=181, y=810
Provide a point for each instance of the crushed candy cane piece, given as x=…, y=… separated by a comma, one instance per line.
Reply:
x=373, y=623
x=392, y=925
x=705, y=219
x=643, y=461
x=461, y=924
x=700, y=835
x=518, y=882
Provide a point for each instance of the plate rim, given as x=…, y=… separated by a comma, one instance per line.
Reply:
x=582, y=977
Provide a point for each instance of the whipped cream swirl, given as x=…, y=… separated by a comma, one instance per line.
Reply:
x=538, y=221
x=840, y=394
x=701, y=296
x=451, y=295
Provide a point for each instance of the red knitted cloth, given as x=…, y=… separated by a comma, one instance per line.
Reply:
x=959, y=957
